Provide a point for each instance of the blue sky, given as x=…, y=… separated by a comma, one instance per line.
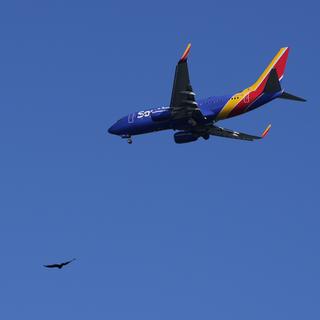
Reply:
x=216, y=229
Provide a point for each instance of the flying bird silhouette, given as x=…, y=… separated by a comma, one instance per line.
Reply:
x=58, y=265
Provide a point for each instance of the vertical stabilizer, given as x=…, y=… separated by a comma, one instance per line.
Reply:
x=276, y=67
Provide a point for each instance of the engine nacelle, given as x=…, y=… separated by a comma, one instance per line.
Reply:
x=185, y=137
x=160, y=115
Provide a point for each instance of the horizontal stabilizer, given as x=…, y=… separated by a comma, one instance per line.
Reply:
x=288, y=96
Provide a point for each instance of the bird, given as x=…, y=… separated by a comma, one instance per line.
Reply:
x=58, y=265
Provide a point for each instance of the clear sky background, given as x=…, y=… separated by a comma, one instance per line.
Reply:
x=216, y=229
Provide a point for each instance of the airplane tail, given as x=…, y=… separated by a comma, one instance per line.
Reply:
x=288, y=96
x=270, y=80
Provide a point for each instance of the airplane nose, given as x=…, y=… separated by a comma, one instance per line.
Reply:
x=112, y=129
x=119, y=127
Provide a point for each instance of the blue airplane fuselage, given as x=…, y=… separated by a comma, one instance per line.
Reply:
x=156, y=119
x=196, y=119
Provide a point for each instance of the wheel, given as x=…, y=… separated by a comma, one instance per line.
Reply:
x=129, y=140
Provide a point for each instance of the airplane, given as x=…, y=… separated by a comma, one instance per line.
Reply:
x=197, y=118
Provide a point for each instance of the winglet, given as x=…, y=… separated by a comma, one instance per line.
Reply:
x=265, y=132
x=186, y=53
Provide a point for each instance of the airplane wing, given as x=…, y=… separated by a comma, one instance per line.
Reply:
x=226, y=133
x=183, y=104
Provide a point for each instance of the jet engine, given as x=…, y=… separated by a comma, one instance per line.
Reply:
x=162, y=115
x=185, y=136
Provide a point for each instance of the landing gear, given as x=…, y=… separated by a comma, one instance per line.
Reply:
x=128, y=137
x=206, y=136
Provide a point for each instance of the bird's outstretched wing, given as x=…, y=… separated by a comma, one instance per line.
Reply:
x=67, y=262
x=51, y=265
